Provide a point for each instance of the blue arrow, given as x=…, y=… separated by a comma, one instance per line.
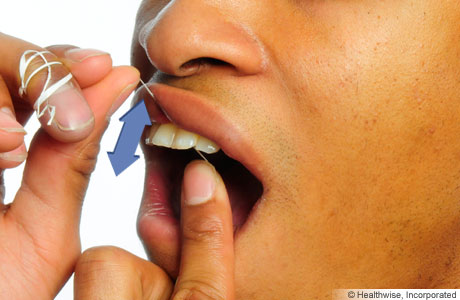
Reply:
x=135, y=121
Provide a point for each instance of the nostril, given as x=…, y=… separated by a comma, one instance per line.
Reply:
x=191, y=67
x=195, y=65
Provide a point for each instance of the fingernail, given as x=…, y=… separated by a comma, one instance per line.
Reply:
x=121, y=98
x=72, y=113
x=8, y=121
x=79, y=55
x=17, y=155
x=199, y=183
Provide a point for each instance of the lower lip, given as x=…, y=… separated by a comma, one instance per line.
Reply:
x=156, y=191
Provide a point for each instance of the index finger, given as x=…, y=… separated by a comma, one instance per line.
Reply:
x=38, y=77
x=207, y=258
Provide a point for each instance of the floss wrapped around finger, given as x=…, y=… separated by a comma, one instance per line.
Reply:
x=42, y=104
x=56, y=97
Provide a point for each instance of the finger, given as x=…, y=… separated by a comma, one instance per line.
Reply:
x=22, y=111
x=88, y=66
x=13, y=158
x=54, y=94
x=11, y=132
x=69, y=165
x=109, y=273
x=155, y=111
x=56, y=174
x=207, y=259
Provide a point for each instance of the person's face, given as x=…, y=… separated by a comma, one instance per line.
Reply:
x=348, y=112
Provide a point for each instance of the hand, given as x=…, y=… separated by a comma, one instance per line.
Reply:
x=39, y=241
x=206, y=259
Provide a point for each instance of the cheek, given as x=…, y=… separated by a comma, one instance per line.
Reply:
x=375, y=135
x=362, y=88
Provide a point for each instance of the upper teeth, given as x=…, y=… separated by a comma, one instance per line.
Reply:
x=171, y=136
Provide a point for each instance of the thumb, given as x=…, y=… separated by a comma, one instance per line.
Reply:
x=109, y=273
x=56, y=174
x=207, y=254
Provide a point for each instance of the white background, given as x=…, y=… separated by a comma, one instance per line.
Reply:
x=111, y=204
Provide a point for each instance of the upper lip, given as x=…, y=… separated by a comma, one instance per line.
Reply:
x=199, y=115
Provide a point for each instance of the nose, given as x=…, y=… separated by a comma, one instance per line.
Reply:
x=187, y=33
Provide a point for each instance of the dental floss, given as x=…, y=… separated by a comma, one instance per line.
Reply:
x=201, y=154
x=46, y=91
x=151, y=94
x=147, y=88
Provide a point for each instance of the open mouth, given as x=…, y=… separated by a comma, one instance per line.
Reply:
x=243, y=188
x=168, y=149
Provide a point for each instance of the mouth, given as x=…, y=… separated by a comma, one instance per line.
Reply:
x=185, y=128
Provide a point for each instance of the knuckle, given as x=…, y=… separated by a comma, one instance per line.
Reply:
x=204, y=230
x=97, y=263
x=104, y=271
x=198, y=290
x=97, y=260
x=85, y=160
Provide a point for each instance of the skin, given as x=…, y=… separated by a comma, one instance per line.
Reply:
x=355, y=116
x=39, y=230
x=351, y=106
